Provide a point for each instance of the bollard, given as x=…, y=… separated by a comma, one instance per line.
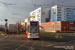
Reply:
x=17, y=31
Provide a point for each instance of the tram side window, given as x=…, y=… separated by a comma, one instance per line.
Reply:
x=27, y=28
x=38, y=28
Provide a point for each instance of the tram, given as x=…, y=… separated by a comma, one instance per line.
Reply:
x=32, y=29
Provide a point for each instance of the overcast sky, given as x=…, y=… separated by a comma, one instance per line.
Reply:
x=20, y=9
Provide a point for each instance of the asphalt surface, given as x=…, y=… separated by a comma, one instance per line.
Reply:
x=46, y=42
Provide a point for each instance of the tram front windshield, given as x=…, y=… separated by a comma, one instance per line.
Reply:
x=33, y=27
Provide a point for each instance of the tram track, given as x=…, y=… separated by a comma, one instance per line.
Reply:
x=5, y=39
x=35, y=47
x=32, y=45
x=26, y=44
x=42, y=44
x=22, y=45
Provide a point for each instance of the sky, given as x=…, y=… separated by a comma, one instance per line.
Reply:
x=20, y=9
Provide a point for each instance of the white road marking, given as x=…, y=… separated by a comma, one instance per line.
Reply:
x=3, y=38
x=32, y=45
x=9, y=38
x=21, y=45
x=49, y=45
x=54, y=44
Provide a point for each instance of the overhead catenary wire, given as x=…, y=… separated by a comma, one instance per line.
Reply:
x=33, y=4
x=8, y=9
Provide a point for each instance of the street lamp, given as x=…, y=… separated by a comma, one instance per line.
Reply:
x=6, y=20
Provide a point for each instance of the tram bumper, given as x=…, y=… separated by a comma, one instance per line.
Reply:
x=33, y=36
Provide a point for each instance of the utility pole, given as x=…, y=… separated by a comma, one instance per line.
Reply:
x=55, y=19
x=6, y=27
x=55, y=14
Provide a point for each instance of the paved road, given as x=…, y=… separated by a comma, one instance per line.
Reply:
x=20, y=42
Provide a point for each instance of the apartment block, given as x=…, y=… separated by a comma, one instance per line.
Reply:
x=62, y=13
x=41, y=14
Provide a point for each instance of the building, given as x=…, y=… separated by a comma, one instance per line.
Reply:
x=2, y=26
x=41, y=14
x=11, y=27
x=62, y=13
x=23, y=23
x=61, y=26
x=27, y=21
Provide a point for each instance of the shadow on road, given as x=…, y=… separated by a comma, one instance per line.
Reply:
x=57, y=38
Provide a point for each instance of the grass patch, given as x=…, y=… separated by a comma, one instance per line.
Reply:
x=64, y=33
x=56, y=32
x=3, y=33
x=46, y=32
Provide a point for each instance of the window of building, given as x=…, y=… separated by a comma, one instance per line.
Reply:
x=39, y=10
x=72, y=18
x=47, y=19
x=64, y=19
x=50, y=27
x=67, y=20
x=73, y=8
x=67, y=13
x=39, y=19
x=33, y=16
x=64, y=9
x=38, y=15
x=67, y=8
x=72, y=13
x=57, y=7
x=59, y=17
x=59, y=12
x=72, y=28
x=54, y=13
x=64, y=16
x=60, y=7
